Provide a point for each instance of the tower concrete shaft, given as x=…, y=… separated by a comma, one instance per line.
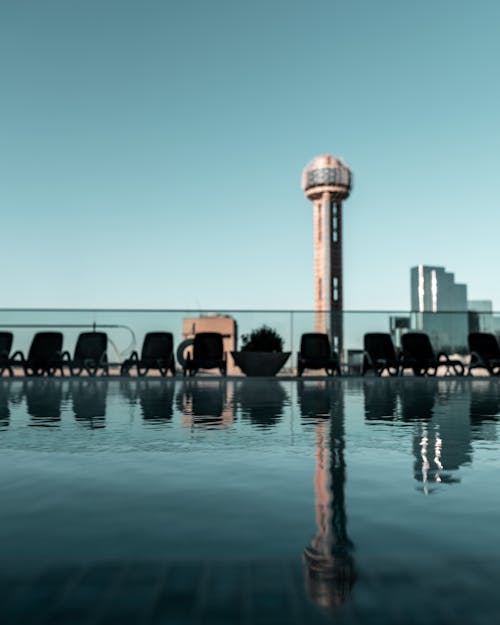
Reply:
x=328, y=286
x=326, y=181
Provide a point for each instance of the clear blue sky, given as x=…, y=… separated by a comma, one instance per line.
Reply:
x=151, y=150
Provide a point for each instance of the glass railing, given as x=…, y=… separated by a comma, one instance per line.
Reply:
x=126, y=328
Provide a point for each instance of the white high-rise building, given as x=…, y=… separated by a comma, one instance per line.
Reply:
x=441, y=307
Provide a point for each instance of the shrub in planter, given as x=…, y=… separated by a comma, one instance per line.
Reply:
x=261, y=353
x=263, y=339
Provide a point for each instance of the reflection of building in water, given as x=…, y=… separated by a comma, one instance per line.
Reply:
x=441, y=440
x=89, y=402
x=261, y=401
x=206, y=404
x=43, y=401
x=434, y=290
x=439, y=414
x=224, y=324
x=328, y=562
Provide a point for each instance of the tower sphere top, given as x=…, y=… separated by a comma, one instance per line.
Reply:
x=327, y=173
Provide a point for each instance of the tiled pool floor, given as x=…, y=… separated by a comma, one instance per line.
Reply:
x=156, y=593
x=249, y=501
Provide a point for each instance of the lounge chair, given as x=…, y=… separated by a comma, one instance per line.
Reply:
x=157, y=353
x=316, y=353
x=484, y=352
x=417, y=354
x=208, y=353
x=90, y=354
x=44, y=356
x=6, y=339
x=379, y=354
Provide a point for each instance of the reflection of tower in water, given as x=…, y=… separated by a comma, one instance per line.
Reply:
x=328, y=562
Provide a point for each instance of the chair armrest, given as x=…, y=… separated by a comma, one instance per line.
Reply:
x=18, y=354
x=477, y=358
x=134, y=357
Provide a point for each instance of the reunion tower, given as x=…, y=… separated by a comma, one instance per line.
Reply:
x=326, y=181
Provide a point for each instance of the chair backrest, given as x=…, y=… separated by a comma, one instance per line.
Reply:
x=45, y=347
x=485, y=344
x=380, y=346
x=417, y=345
x=157, y=345
x=6, y=339
x=91, y=346
x=315, y=345
x=208, y=346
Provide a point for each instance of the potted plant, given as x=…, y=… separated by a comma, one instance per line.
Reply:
x=261, y=353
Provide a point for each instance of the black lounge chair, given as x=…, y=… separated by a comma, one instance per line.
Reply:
x=6, y=339
x=484, y=352
x=316, y=353
x=417, y=354
x=379, y=354
x=157, y=353
x=208, y=353
x=90, y=354
x=44, y=356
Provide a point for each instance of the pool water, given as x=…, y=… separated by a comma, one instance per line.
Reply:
x=252, y=501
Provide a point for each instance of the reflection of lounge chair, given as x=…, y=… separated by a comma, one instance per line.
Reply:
x=379, y=354
x=5, y=345
x=157, y=353
x=89, y=402
x=208, y=353
x=90, y=354
x=484, y=352
x=418, y=355
x=380, y=400
x=314, y=399
x=156, y=399
x=316, y=353
x=43, y=402
x=417, y=402
x=484, y=401
x=202, y=403
x=44, y=356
